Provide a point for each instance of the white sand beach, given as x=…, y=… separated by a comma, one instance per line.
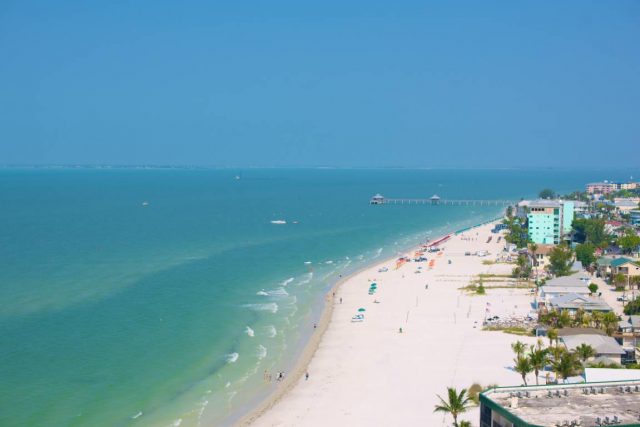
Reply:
x=369, y=374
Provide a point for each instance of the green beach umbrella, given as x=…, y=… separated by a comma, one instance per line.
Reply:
x=361, y=309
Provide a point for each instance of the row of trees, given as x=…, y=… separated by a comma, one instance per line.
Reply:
x=563, y=363
x=562, y=319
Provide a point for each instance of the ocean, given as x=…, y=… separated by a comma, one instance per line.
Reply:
x=158, y=297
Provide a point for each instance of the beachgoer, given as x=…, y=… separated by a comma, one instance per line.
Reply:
x=400, y=330
x=306, y=376
x=315, y=326
x=426, y=286
x=340, y=300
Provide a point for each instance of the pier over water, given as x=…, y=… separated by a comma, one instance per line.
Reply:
x=378, y=199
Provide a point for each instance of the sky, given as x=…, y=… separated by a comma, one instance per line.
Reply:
x=333, y=83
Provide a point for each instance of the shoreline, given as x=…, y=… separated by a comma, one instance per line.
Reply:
x=304, y=359
x=310, y=348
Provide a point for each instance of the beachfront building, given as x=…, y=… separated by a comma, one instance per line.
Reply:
x=549, y=220
x=607, y=348
x=628, y=333
x=605, y=187
x=581, y=404
x=626, y=205
x=635, y=216
x=541, y=255
x=572, y=302
x=629, y=268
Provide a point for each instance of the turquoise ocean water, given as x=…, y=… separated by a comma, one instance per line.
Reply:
x=117, y=314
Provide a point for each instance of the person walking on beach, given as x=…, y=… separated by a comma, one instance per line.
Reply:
x=306, y=376
x=340, y=300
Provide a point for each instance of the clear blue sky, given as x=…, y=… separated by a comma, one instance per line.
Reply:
x=270, y=83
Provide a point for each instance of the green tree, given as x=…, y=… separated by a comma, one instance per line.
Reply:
x=593, y=288
x=590, y=230
x=552, y=334
x=538, y=359
x=547, y=193
x=610, y=322
x=456, y=404
x=585, y=253
x=585, y=351
x=523, y=367
x=629, y=241
x=632, y=307
x=560, y=259
x=567, y=365
x=620, y=281
x=518, y=348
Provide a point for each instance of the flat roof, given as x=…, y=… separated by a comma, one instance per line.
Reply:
x=554, y=404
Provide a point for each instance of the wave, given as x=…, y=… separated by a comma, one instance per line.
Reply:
x=262, y=292
x=307, y=262
x=138, y=415
x=176, y=423
x=289, y=280
x=378, y=252
x=329, y=262
x=307, y=278
x=280, y=292
x=249, y=331
x=271, y=331
x=232, y=357
x=272, y=307
x=262, y=352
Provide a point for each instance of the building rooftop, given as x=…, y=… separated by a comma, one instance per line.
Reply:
x=602, y=344
x=573, y=301
x=576, y=289
x=552, y=405
x=576, y=279
x=544, y=204
x=618, y=262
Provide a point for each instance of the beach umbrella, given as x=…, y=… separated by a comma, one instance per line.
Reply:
x=361, y=309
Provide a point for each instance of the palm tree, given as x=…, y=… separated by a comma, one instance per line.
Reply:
x=538, y=359
x=564, y=319
x=552, y=334
x=456, y=404
x=586, y=320
x=585, y=351
x=610, y=321
x=567, y=365
x=597, y=316
x=518, y=348
x=523, y=367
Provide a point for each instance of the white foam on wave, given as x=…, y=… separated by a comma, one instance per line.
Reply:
x=249, y=331
x=307, y=262
x=232, y=357
x=271, y=306
x=378, y=252
x=306, y=279
x=138, y=415
x=329, y=262
x=289, y=280
x=228, y=384
x=261, y=352
x=262, y=292
x=279, y=292
x=176, y=423
x=271, y=331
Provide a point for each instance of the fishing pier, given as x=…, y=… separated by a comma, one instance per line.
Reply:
x=378, y=199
